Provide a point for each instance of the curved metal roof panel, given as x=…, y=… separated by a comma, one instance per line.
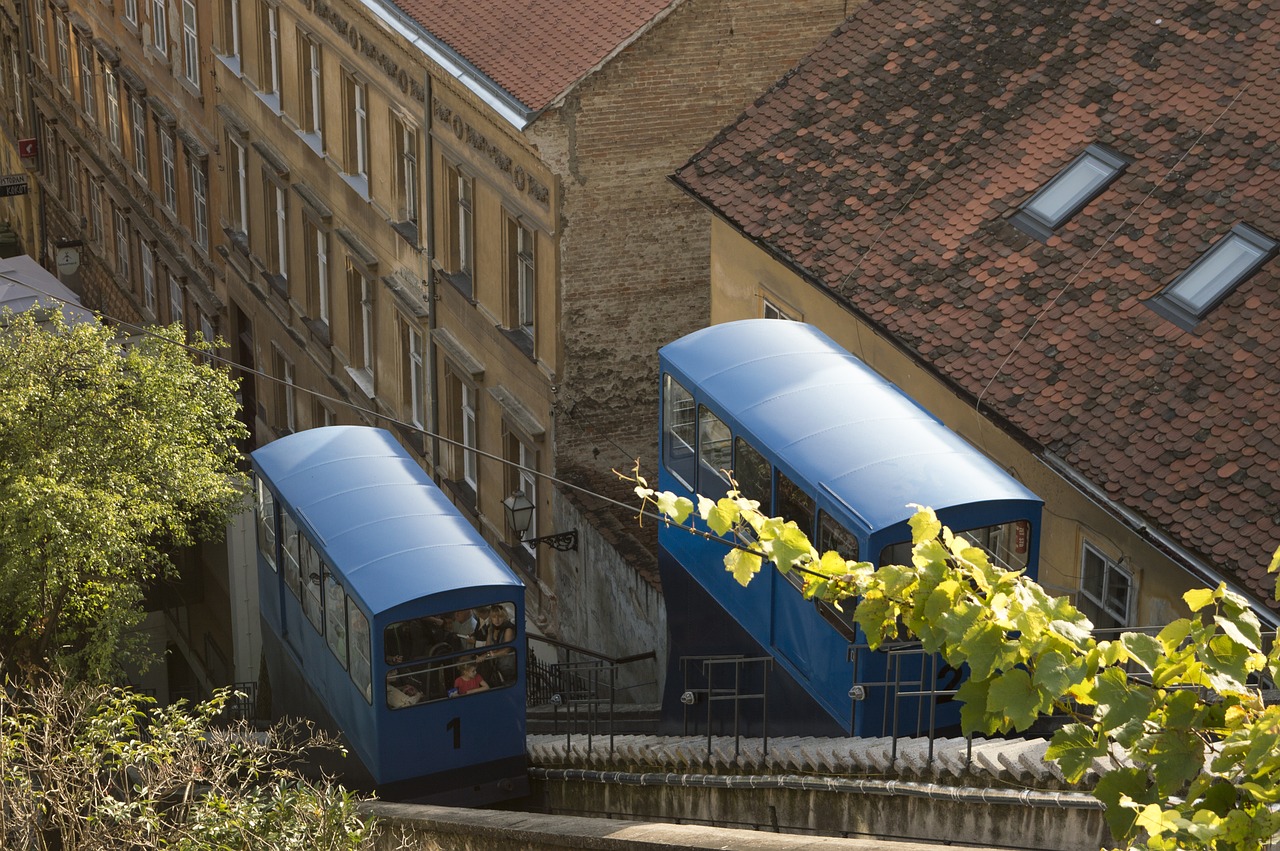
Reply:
x=830, y=419
x=378, y=517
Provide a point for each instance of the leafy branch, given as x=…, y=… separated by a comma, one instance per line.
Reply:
x=1188, y=752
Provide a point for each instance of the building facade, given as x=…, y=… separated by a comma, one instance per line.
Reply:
x=419, y=217
x=1059, y=248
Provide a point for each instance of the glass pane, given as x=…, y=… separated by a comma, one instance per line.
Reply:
x=292, y=570
x=679, y=438
x=754, y=475
x=335, y=621
x=311, y=585
x=266, y=514
x=795, y=504
x=450, y=654
x=1093, y=575
x=1072, y=188
x=1223, y=267
x=714, y=454
x=358, y=630
x=833, y=536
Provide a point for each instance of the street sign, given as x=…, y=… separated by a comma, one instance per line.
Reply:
x=12, y=184
x=27, y=149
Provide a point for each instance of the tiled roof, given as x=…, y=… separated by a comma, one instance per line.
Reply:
x=887, y=164
x=534, y=49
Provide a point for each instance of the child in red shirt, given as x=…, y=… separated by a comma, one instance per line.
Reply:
x=470, y=680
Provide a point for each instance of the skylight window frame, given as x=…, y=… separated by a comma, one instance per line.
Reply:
x=1036, y=224
x=1186, y=313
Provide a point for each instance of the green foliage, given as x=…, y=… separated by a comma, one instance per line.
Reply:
x=112, y=456
x=1188, y=755
x=92, y=768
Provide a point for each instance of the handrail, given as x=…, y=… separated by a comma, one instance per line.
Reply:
x=595, y=654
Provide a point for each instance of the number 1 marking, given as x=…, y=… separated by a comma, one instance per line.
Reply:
x=456, y=726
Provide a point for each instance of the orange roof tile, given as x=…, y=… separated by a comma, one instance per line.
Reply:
x=534, y=49
x=886, y=167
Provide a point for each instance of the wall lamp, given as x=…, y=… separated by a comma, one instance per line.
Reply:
x=520, y=517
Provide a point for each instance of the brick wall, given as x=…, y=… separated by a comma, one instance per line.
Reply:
x=635, y=250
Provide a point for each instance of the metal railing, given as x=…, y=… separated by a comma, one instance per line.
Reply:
x=716, y=680
x=584, y=685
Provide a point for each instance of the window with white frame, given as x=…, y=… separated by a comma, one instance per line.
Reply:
x=111, y=84
x=523, y=278
x=72, y=168
x=148, y=256
x=177, y=311
x=269, y=62
x=138, y=119
x=206, y=329
x=63, y=33
x=360, y=318
x=312, y=84
x=769, y=309
x=464, y=218
x=199, y=202
x=168, y=167
x=286, y=390
x=15, y=63
x=1106, y=590
x=160, y=26
x=405, y=136
x=40, y=12
x=467, y=404
x=525, y=481
x=317, y=247
x=231, y=30
x=190, y=44
x=356, y=143
x=121, y=226
x=276, y=217
x=414, y=372
x=95, y=209
x=131, y=11
x=88, y=81
x=238, y=185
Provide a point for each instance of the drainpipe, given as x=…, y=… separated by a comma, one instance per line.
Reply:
x=427, y=255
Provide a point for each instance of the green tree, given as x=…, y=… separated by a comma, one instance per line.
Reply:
x=113, y=454
x=84, y=768
x=1189, y=753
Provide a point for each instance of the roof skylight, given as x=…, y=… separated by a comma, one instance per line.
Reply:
x=1069, y=191
x=1227, y=264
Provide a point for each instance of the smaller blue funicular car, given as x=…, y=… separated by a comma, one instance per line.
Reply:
x=387, y=618
x=819, y=438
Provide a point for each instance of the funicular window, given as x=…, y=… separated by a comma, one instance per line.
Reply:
x=833, y=536
x=1006, y=543
x=311, y=584
x=358, y=630
x=450, y=654
x=266, y=516
x=292, y=571
x=715, y=445
x=795, y=504
x=335, y=616
x=679, y=438
x=754, y=475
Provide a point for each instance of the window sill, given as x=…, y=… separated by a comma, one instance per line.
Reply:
x=358, y=182
x=278, y=284
x=363, y=379
x=313, y=140
x=271, y=99
x=462, y=283
x=231, y=63
x=408, y=231
x=519, y=338
x=319, y=331
x=464, y=496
